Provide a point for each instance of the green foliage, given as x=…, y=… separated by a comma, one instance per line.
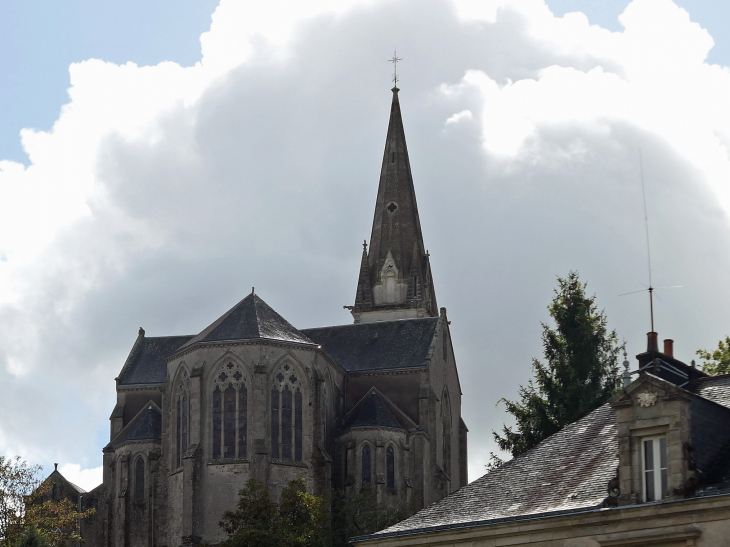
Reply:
x=717, y=362
x=18, y=480
x=298, y=520
x=31, y=538
x=581, y=372
x=359, y=514
x=27, y=512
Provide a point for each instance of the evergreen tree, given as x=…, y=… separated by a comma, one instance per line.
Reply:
x=580, y=374
x=31, y=538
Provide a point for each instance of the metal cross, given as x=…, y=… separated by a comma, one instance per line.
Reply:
x=395, y=60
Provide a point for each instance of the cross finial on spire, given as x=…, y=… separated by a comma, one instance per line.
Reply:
x=395, y=60
x=364, y=245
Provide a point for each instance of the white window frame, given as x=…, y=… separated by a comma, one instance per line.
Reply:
x=659, y=489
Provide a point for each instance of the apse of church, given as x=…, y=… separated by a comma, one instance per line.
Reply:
x=371, y=405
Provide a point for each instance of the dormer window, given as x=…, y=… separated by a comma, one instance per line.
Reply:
x=654, y=460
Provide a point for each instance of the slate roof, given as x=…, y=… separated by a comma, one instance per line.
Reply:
x=568, y=471
x=250, y=319
x=403, y=343
x=146, y=426
x=146, y=363
x=714, y=388
x=376, y=410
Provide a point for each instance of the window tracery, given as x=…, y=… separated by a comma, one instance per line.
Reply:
x=183, y=417
x=286, y=415
x=230, y=412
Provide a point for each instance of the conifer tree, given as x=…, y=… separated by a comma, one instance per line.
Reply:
x=579, y=375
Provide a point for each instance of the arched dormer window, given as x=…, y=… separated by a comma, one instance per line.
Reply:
x=286, y=415
x=367, y=469
x=230, y=413
x=139, y=479
x=183, y=417
x=390, y=468
x=446, y=432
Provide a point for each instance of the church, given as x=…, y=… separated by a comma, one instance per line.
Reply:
x=375, y=404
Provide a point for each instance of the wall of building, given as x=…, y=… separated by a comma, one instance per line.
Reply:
x=701, y=522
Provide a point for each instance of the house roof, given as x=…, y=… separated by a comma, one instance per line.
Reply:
x=56, y=477
x=399, y=344
x=714, y=388
x=146, y=362
x=250, y=319
x=145, y=426
x=376, y=410
x=569, y=470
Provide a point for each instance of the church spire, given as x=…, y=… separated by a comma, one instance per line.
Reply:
x=398, y=270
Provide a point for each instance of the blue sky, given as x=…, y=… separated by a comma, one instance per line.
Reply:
x=39, y=39
x=164, y=193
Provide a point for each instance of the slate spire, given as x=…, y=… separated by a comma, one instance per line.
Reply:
x=398, y=271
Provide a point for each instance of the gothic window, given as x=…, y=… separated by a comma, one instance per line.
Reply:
x=182, y=418
x=230, y=413
x=446, y=432
x=139, y=479
x=390, y=468
x=286, y=415
x=366, y=466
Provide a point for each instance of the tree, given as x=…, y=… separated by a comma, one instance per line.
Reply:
x=359, y=514
x=298, y=520
x=18, y=480
x=580, y=374
x=56, y=521
x=31, y=538
x=717, y=362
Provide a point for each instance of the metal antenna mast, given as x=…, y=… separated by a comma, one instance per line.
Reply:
x=648, y=247
x=395, y=60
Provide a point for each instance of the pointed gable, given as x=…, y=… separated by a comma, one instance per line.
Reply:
x=376, y=410
x=250, y=319
x=145, y=426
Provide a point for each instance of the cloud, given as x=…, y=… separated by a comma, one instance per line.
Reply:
x=163, y=193
x=88, y=479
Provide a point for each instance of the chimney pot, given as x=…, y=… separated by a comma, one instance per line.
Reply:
x=669, y=347
x=652, y=341
x=55, y=467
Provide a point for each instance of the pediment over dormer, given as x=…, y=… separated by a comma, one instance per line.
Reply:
x=647, y=391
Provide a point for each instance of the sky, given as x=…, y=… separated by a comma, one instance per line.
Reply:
x=159, y=159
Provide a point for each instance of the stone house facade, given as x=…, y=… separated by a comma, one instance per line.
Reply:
x=650, y=467
x=371, y=405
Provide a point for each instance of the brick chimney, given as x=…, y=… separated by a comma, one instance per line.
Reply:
x=652, y=342
x=669, y=347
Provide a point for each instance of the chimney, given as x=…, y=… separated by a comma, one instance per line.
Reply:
x=55, y=467
x=669, y=347
x=652, y=341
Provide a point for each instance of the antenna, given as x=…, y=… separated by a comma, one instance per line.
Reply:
x=648, y=247
x=651, y=287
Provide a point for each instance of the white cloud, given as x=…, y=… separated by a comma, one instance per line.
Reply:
x=88, y=479
x=163, y=193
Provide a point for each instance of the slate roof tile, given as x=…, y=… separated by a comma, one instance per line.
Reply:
x=714, y=388
x=373, y=411
x=569, y=470
x=146, y=364
x=250, y=319
x=403, y=343
x=146, y=426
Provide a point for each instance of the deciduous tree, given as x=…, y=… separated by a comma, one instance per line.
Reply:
x=717, y=361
